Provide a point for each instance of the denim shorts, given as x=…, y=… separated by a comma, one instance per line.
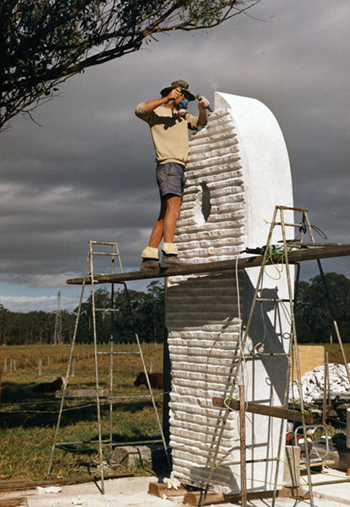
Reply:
x=170, y=179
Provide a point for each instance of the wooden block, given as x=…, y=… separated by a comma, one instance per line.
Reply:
x=157, y=489
x=293, y=492
x=195, y=498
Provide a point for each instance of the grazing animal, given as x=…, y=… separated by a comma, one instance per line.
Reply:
x=49, y=387
x=155, y=379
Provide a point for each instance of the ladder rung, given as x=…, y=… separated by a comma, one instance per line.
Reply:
x=261, y=460
x=265, y=354
x=273, y=300
x=103, y=243
x=114, y=254
x=288, y=225
x=304, y=210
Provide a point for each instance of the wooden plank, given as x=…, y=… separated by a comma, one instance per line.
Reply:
x=255, y=408
x=14, y=502
x=288, y=492
x=306, y=254
x=83, y=393
x=157, y=489
x=23, y=484
x=194, y=497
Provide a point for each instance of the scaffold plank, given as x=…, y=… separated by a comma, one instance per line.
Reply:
x=303, y=254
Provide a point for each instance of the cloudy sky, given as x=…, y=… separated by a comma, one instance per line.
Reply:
x=87, y=172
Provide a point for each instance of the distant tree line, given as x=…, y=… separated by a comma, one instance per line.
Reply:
x=39, y=327
x=312, y=312
x=33, y=328
x=145, y=316
x=313, y=315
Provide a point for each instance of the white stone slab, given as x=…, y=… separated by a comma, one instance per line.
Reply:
x=237, y=171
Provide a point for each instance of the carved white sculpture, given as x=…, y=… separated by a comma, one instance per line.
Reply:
x=237, y=171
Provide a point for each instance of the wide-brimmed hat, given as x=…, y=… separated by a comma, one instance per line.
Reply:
x=179, y=84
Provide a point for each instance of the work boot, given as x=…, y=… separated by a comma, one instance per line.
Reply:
x=148, y=265
x=150, y=259
x=171, y=260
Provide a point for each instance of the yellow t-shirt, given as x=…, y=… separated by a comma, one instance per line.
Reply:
x=169, y=132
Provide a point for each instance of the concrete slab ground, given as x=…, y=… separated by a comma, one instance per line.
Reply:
x=131, y=492
x=338, y=492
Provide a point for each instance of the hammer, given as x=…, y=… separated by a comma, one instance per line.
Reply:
x=198, y=97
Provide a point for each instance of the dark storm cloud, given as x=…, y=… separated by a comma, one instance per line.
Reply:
x=88, y=171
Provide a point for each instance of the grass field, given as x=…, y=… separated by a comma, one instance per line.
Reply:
x=28, y=420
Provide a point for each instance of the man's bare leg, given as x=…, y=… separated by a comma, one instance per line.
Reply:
x=158, y=229
x=170, y=251
x=166, y=223
x=164, y=227
x=173, y=206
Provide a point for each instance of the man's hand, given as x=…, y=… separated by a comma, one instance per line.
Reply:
x=174, y=94
x=203, y=104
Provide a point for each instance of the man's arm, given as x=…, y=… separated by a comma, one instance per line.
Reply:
x=150, y=105
x=202, y=107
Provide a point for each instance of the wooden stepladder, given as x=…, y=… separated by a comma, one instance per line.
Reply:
x=98, y=393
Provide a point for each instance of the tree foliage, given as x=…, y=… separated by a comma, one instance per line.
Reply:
x=33, y=328
x=313, y=314
x=145, y=316
x=43, y=42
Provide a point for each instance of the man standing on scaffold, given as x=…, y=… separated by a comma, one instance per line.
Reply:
x=169, y=123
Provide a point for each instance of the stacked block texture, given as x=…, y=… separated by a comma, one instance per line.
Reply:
x=203, y=312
